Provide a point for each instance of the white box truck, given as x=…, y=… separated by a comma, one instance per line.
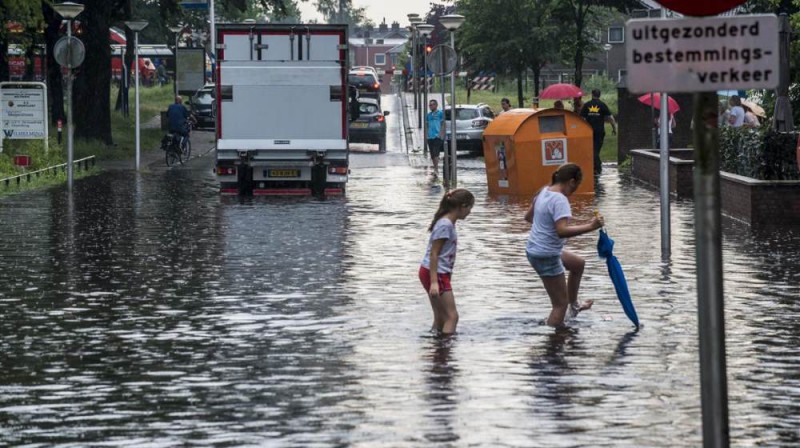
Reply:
x=282, y=109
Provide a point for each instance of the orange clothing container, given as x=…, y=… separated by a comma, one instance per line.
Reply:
x=523, y=147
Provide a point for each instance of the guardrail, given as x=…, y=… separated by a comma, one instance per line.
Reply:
x=49, y=170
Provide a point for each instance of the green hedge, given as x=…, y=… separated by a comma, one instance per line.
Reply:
x=760, y=154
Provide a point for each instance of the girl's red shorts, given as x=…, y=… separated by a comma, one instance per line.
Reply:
x=425, y=278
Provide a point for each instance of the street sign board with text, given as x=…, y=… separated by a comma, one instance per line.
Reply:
x=702, y=55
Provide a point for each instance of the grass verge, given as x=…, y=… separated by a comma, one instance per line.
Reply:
x=152, y=100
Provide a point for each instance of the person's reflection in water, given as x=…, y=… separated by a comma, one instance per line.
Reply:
x=549, y=367
x=439, y=378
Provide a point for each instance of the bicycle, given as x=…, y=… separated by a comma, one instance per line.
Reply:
x=177, y=147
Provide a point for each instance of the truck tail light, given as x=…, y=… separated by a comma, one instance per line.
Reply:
x=480, y=124
x=226, y=170
x=337, y=170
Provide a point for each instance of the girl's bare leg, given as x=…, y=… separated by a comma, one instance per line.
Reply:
x=438, y=322
x=575, y=265
x=449, y=313
x=556, y=288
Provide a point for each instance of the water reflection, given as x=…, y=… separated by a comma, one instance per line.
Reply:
x=147, y=310
x=441, y=397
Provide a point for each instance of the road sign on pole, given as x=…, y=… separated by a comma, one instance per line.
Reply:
x=700, y=8
x=702, y=55
x=442, y=60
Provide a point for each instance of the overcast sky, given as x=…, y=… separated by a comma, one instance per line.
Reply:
x=377, y=10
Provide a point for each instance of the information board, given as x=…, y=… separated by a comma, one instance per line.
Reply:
x=24, y=113
x=190, y=69
x=702, y=55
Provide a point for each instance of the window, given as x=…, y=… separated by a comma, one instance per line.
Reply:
x=616, y=34
x=380, y=59
x=621, y=74
x=487, y=112
x=367, y=108
x=554, y=123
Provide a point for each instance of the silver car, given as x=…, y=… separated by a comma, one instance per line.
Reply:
x=471, y=120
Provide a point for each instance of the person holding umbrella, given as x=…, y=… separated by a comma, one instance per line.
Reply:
x=550, y=216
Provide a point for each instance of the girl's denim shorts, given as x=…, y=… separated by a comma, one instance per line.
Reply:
x=548, y=266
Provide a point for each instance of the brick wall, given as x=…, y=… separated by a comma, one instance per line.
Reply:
x=759, y=203
x=646, y=167
x=636, y=124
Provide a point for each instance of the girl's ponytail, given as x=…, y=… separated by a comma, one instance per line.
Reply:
x=451, y=200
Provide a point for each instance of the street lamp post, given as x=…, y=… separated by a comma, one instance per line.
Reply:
x=136, y=26
x=69, y=11
x=412, y=20
x=452, y=22
x=415, y=21
x=607, y=48
x=425, y=30
x=177, y=30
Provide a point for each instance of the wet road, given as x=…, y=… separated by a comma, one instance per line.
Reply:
x=147, y=310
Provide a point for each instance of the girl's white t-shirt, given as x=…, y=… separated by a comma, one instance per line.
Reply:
x=543, y=240
x=444, y=229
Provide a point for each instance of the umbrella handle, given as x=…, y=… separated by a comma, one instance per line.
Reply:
x=597, y=215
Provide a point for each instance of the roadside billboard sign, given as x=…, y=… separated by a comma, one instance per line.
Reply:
x=702, y=55
x=190, y=69
x=23, y=111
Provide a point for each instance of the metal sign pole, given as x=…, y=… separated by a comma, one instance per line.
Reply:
x=708, y=237
x=453, y=136
x=69, y=108
x=664, y=176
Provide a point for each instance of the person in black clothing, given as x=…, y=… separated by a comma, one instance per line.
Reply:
x=596, y=113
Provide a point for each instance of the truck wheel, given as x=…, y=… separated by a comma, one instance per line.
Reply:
x=382, y=145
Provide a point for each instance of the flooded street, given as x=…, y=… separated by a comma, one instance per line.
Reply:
x=147, y=310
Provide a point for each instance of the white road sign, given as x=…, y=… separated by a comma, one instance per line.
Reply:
x=23, y=113
x=702, y=54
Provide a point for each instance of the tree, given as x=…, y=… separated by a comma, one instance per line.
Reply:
x=342, y=11
x=578, y=13
x=509, y=36
x=24, y=13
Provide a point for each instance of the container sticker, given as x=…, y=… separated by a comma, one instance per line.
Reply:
x=500, y=151
x=554, y=151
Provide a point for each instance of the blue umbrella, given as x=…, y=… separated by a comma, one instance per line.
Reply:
x=605, y=248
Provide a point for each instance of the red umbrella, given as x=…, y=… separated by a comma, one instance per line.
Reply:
x=672, y=105
x=561, y=91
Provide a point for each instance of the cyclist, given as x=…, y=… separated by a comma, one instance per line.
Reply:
x=178, y=115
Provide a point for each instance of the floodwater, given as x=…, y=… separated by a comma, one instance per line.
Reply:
x=146, y=310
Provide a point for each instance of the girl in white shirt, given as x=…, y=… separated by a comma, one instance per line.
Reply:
x=440, y=258
x=549, y=215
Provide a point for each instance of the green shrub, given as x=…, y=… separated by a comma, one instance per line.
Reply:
x=760, y=154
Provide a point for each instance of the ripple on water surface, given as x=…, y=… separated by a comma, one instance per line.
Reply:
x=159, y=314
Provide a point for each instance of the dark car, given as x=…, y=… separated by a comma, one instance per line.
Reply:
x=370, y=126
x=366, y=81
x=203, y=107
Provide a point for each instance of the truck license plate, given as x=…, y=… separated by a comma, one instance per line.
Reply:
x=284, y=173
